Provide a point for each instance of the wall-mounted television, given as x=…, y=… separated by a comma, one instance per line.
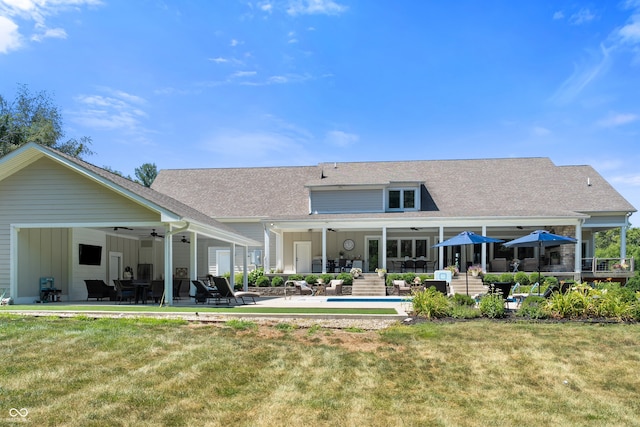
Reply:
x=90, y=254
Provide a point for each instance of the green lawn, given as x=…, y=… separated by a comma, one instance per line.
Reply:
x=85, y=372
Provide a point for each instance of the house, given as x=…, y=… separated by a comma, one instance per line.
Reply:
x=380, y=214
x=195, y=222
x=63, y=220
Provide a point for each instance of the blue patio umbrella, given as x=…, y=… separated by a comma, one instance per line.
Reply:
x=467, y=238
x=540, y=239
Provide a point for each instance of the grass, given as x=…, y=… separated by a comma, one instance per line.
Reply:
x=199, y=309
x=85, y=372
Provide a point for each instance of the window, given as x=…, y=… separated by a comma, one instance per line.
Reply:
x=402, y=199
x=412, y=248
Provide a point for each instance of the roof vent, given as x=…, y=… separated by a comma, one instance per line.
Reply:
x=335, y=165
x=589, y=182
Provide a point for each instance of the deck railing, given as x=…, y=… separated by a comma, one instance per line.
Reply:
x=616, y=266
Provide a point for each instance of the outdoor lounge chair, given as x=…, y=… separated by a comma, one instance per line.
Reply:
x=157, y=290
x=204, y=293
x=177, y=284
x=225, y=291
x=98, y=289
x=499, y=264
x=401, y=287
x=124, y=291
x=334, y=287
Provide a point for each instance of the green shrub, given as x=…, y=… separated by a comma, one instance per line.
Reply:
x=532, y=307
x=326, y=277
x=347, y=278
x=522, y=278
x=535, y=278
x=463, y=299
x=408, y=277
x=490, y=278
x=253, y=275
x=277, y=281
x=551, y=281
x=311, y=279
x=465, y=312
x=393, y=276
x=506, y=278
x=263, y=282
x=492, y=306
x=296, y=277
x=431, y=303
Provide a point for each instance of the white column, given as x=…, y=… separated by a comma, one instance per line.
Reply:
x=245, y=267
x=279, y=252
x=324, y=250
x=623, y=238
x=193, y=262
x=267, y=254
x=384, y=247
x=168, y=267
x=441, y=249
x=578, y=250
x=232, y=262
x=483, y=251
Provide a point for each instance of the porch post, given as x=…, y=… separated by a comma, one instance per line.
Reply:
x=193, y=267
x=483, y=251
x=168, y=267
x=384, y=248
x=441, y=249
x=267, y=244
x=324, y=250
x=279, y=252
x=232, y=262
x=245, y=267
x=623, y=238
x=578, y=250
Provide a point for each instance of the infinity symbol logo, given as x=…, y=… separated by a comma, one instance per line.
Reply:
x=18, y=412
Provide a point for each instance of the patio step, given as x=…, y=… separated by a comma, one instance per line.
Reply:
x=459, y=285
x=368, y=284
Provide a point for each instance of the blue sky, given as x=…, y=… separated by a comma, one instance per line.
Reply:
x=234, y=83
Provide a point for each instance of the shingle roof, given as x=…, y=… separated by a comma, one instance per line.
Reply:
x=459, y=188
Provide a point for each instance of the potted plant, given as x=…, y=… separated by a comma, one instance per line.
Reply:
x=381, y=271
x=453, y=269
x=475, y=270
x=355, y=272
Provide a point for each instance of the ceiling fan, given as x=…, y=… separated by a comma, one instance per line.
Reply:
x=154, y=234
x=184, y=240
x=122, y=228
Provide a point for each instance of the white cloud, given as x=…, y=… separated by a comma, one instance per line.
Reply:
x=541, y=131
x=315, y=7
x=10, y=38
x=36, y=11
x=234, y=42
x=630, y=33
x=582, y=76
x=266, y=7
x=242, y=74
x=558, y=15
x=340, y=138
x=614, y=120
x=219, y=60
x=583, y=16
x=630, y=179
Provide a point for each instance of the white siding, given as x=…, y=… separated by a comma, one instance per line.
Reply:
x=347, y=201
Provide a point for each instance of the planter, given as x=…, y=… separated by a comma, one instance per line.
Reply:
x=381, y=274
x=475, y=273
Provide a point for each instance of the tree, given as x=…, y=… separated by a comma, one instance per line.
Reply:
x=35, y=118
x=608, y=243
x=146, y=174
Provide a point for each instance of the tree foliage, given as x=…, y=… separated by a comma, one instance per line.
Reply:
x=146, y=174
x=608, y=243
x=33, y=117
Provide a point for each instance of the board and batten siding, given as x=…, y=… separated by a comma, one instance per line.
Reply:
x=337, y=201
x=46, y=192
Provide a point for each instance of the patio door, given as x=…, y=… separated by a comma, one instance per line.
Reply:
x=115, y=267
x=302, y=257
x=373, y=256
x=223, y=262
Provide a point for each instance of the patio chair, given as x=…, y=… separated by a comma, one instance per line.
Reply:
x=499, y=264
x=529, y=264
x=334, y=287
x=203, y=293
x=303, y=288
x=225, y=291
x=401, y=287
x=421, y=265
x=124, y=292
x=409, y=265
x=157, y=290
x=98, y=289
x=177, y=284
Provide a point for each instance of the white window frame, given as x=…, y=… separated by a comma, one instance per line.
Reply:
x=403, y=190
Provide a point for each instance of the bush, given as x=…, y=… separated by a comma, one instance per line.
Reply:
x=408, y=277
x=535, y=278
x=492, y=306
x=263, y=282
x=347, y=278
x=490, y=278
x=253, y=275
x=465, y=312
x=277, y=281
x=532, y=307
x=295, y=277
x=326, y=277
x=311, y=279
x=393, y=276
x=522, y=278
x=463, y=299
x=506, y=278
x=431, y=303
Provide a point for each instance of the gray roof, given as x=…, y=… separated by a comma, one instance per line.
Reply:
x=525, y=187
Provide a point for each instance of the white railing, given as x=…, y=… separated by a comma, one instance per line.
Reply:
x=622, y=266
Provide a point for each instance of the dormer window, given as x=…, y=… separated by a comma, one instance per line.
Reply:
x=402, y=199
